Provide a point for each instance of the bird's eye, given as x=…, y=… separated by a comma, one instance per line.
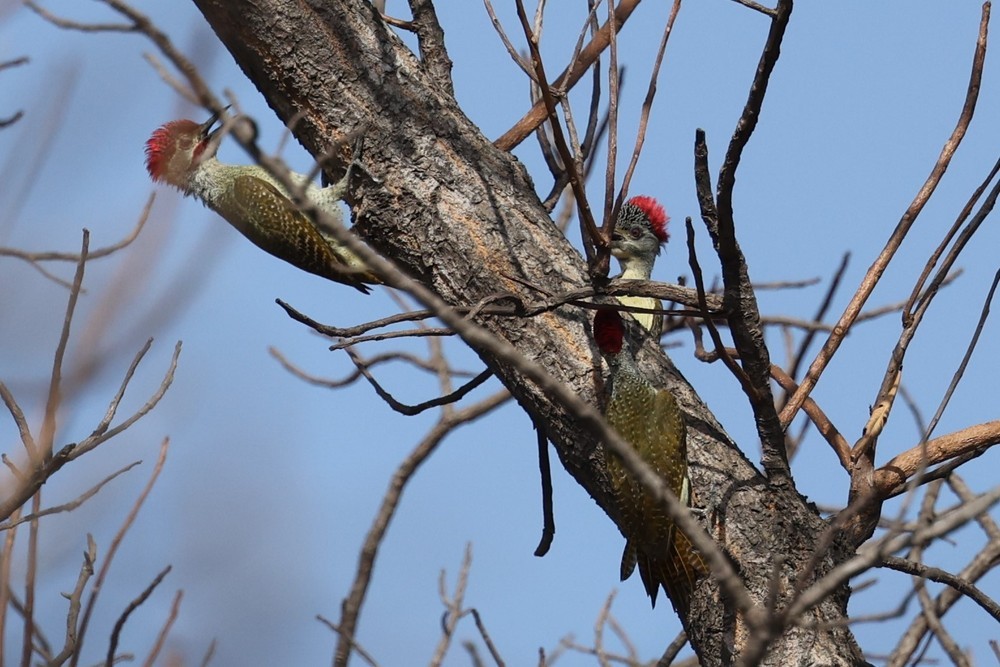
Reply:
x=635, y=232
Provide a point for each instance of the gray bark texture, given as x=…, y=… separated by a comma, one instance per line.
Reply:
x=463, y=219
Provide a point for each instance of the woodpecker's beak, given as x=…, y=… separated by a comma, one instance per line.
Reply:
x=206, y=128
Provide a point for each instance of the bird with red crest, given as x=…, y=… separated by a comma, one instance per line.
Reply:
x=181, y=153
x=639, y=236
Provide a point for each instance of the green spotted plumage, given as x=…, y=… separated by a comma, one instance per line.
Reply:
x=651, y=421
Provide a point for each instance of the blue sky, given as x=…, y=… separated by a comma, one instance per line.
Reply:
x=271, y=484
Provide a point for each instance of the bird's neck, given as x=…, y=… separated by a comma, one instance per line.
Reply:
x=636, y=268
x=212, y=180
x=625, y=373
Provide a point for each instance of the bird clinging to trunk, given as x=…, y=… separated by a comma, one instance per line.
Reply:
x=640, y=232
x=650, y=420
x=182, y=154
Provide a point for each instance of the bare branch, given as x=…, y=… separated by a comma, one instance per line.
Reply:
x=758, y=7
x=960, y=584
x=350, y=608
x=871, y=554
x=20, y=421
x=576, y=297
x=86, y=572
x=905, y=465
x=430, y=37
x=824, y=306
x=647, y=105
x=545, y=472
x=538, y=113
x=422, y=332
x=720, y=347
x=161, y=637
x=591, y=235
x=673, y=648
x=453, y=607
x=34, y=258
x=209, y=654
x=876, y=270
x=739, y=298
x=524, y=65
x=960, y=372
x=411, y=410
x=113, y=549
x=863, y=452
x=72, y=505
x=46, y=433
x=103, y=434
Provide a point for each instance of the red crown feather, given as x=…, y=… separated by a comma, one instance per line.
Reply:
x=161, y=144
x=657, y=216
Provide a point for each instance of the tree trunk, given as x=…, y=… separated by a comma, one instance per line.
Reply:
x=463, y=219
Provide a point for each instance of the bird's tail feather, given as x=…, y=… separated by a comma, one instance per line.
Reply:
x=677, y=572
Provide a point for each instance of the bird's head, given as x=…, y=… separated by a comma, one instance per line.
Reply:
x=609, y=331
x=641, y=229
x=175, y=150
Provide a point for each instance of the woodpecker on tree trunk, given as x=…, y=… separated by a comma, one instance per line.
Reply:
x=182, y=154
x=650, y=420
x=640, y=232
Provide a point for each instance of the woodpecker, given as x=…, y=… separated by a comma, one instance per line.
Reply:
x=650, y=420
x=182, y=154
x=640, y=232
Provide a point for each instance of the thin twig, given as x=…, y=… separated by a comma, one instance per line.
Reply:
x=422, y=332
x=46, y=433
x=411, y=410
x=19, y=419
x=453, y=606
x=545, y=472
x=824, y=306
x=209, y=654
x=73, y=615
x=591, y=234
x=349, y=639
x=720, y=347
x=104, y=434
x=132, y=606
x=524, y=65
x=963, y=586
x=739, y=299
x=30, y=581
x=767, y=11
x=350, y=608
x=52, y=256
x=602, y=619
x=161, y=637
x=960, y=372
x=491, y=647
x=673, y=648
x=113, y=549
x=355, y=375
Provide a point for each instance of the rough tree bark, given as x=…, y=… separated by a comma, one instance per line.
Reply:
x=463, y=218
